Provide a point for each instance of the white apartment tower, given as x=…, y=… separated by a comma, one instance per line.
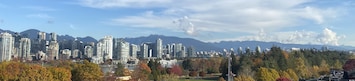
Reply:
x=6, y=46
x=106, y=47
x=122, y=50
x=25, y=49
x=159, y=48
x=53, y=36
x=133, y=50
x=88, y=51
x=41, y=36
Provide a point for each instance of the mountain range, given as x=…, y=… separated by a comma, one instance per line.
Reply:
x=198, y=45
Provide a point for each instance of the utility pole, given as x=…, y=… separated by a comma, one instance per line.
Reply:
x=230, y=75
x=229, y=68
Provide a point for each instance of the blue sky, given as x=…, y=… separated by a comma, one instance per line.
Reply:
x=325, y=22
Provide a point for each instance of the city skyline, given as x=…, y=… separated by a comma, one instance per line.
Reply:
x=298, y=22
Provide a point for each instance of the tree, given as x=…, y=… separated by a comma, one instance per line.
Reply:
x=176, y=70
x=60, y=74
x=153, y=65
x=292, y=74
x=141, y=72
x=301, y=68
x=202, y=74
x=243, y=78
x=126, y=72
x=119, y=70
x=265, y=74
x=87, y=72
x=187, y=64
x=338, y=65
x=284, y=74
x=221, y=79
x=193, y=73
x=283, y=79
x=325, y=68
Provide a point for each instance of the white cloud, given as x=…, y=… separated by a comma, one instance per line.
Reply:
x=327, y=37
x=122, y=3
x=40, y=15
x=220, y=16
x=242, y=16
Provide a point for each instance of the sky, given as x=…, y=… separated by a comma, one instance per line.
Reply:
x=321, y=22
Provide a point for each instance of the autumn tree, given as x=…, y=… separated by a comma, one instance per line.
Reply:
x=60, y=74
x=265, y=74
x=221, y=79
x=325, y=68
x=292, y=74
x=338, y=65
x=141, y=72
x=176, y=70
x=243, y=78
x=87, y=72
x=301, y=68
x=283, y=79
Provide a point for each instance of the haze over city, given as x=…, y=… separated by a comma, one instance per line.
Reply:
x=324, y=22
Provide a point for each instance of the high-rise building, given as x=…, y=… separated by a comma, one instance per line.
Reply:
x=106, y=47
x=65, y=54
x=53, y=36
x=121, y=50
x=159, y=49
x=41, y=36
x=53, y=51
x=144, y=51
x=89, y=51
x=177, y=50
x=258, y=50
x=75, y=53
x=191, y=52
x=133, y=50
x=99, y=50
x=183, y=51
x=6, y=46
x=25, y=49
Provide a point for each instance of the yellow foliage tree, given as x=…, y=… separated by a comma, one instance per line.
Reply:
x=284, y=74
x=338, y=65
x=325, y=68
x=87, y=72
x=243, y=78
x=315, y=70
x=60, y=74
x=141, y=72
x=265, y=74
x=292, y=74
x=301, y=68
